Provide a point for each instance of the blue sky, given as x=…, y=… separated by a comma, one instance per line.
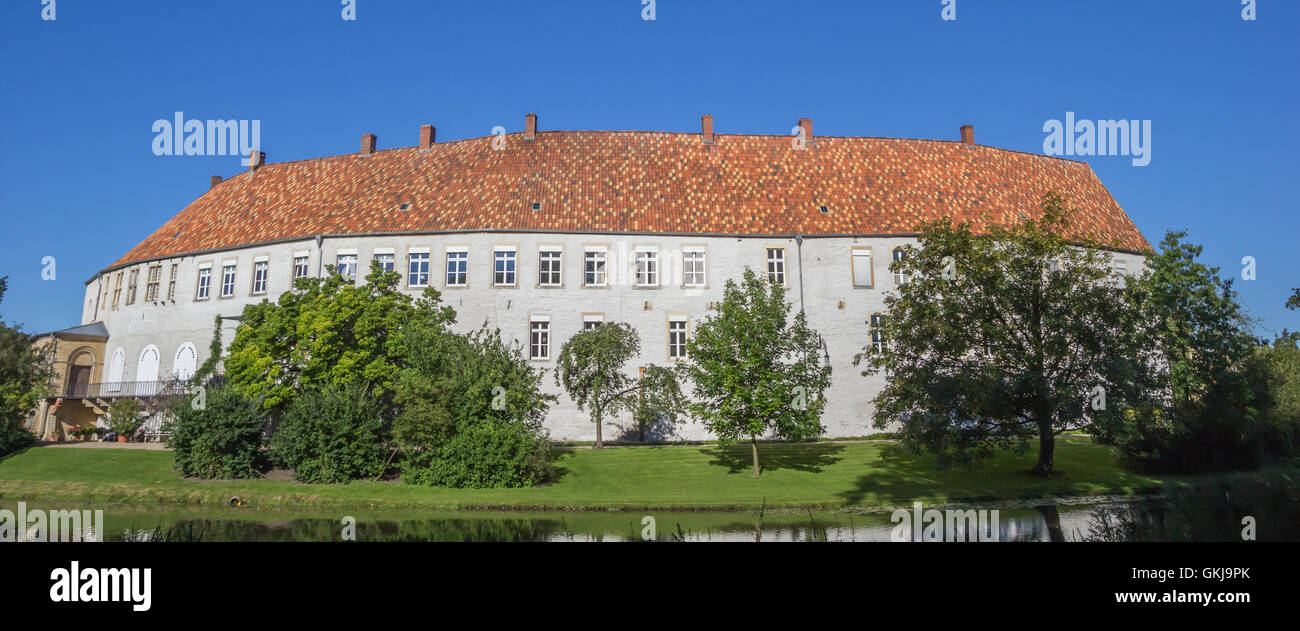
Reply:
x=79, y=181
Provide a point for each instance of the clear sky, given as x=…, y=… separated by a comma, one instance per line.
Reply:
x=79, y=180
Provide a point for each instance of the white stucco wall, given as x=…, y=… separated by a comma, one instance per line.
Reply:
x=826, y=276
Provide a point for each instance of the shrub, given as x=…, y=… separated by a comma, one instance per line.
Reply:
x=221, y=440
x=332, y=434
x=483, y=455
x=124, y=416
x=14, y=437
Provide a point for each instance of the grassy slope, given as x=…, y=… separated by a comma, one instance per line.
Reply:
x=818, y=475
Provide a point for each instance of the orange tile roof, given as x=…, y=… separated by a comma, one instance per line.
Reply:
x=640, y=182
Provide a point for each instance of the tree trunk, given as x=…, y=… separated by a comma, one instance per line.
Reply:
x=1052, y=518
x=1046, y=450
x=753, y=440
x=600, y=444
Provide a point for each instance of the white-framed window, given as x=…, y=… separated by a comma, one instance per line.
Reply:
x=300, y=265
x=678, y=328
x=539, y=338
x=171, y=284
x=900, y=275
x=260, y=272
x=117, y=290
x=594, y=268
x=693, y=267
x=205, y=284
x=503, y=266
x=347, y=266
x=227, y=280
x=457, y=267
x=776, y=265
x=387, y=261
x=417, y=269
x=877, y=331
x=647, y=268
x=863, y=275
x=152, y=283
x=134, y=280
x=592, y=320
x=548, y=267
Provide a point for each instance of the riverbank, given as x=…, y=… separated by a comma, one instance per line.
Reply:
x=804, y=476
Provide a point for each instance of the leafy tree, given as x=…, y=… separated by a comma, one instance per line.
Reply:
x=334, y=433
x=329, y=332
x=471, y=411
x=1216, y=399
x=222, y=438
x=125, y=416
x=1000, y=338
x=1293, y=302
x=24, y=375
x=754, y=370
x=592, y=369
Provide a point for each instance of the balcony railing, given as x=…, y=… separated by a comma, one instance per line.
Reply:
x=121, y=389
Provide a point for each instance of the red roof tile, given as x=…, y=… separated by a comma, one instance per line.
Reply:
x=647, y=182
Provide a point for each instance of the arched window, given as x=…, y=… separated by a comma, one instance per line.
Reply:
x=115, y=367
x=185, y=362
x=146, y=371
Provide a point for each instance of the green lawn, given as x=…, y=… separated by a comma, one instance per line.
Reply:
x=817, y=475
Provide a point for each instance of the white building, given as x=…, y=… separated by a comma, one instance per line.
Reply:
x=541, y=233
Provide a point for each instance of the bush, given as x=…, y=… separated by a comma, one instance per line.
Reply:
x=222, y=440
x=124, y=416
x=332, y=434
x=13, y=437
x=483, y=455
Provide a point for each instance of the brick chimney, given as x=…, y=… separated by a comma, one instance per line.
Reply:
x=806, y=124
x=968, y=135
x=213, y=182
x=530, y=127
x=368, y=142
x=706, y=123
x=256, y=159
x=427, y=135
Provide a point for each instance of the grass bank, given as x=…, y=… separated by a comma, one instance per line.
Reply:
x=806, y=476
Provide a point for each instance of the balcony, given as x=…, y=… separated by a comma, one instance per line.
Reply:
x=122, y=389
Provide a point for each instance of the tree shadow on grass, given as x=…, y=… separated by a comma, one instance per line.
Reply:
x=558, y=456
x=810, y=457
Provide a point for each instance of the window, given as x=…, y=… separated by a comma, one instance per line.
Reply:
x=876, y=327
x=171, y=284
x=299, y=266
x=227, y=281
x=548, y=268
x=205, y=282
x=592, y=320
x=900, y=275
x=647, y=268
x=594, y=268
x=677, y=337
x=776, y=265
x=131, y=285
x=259, y=277
x=539, y=338
x=347, y=266
x=863, y=275
x=418, y=270
x=503, y=267
x=386, y=261
x=152, y=283
x=457, y=264
x=117, y=290
x=693, y=268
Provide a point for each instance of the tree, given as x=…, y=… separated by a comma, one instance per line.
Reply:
x=124, y=416
x=1293, y=302
x=1213, y=381
x=23, y=377
x=329, y=332
x=1003, y=337
x=222, y=438
x=592, y=369
x=754, y=370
